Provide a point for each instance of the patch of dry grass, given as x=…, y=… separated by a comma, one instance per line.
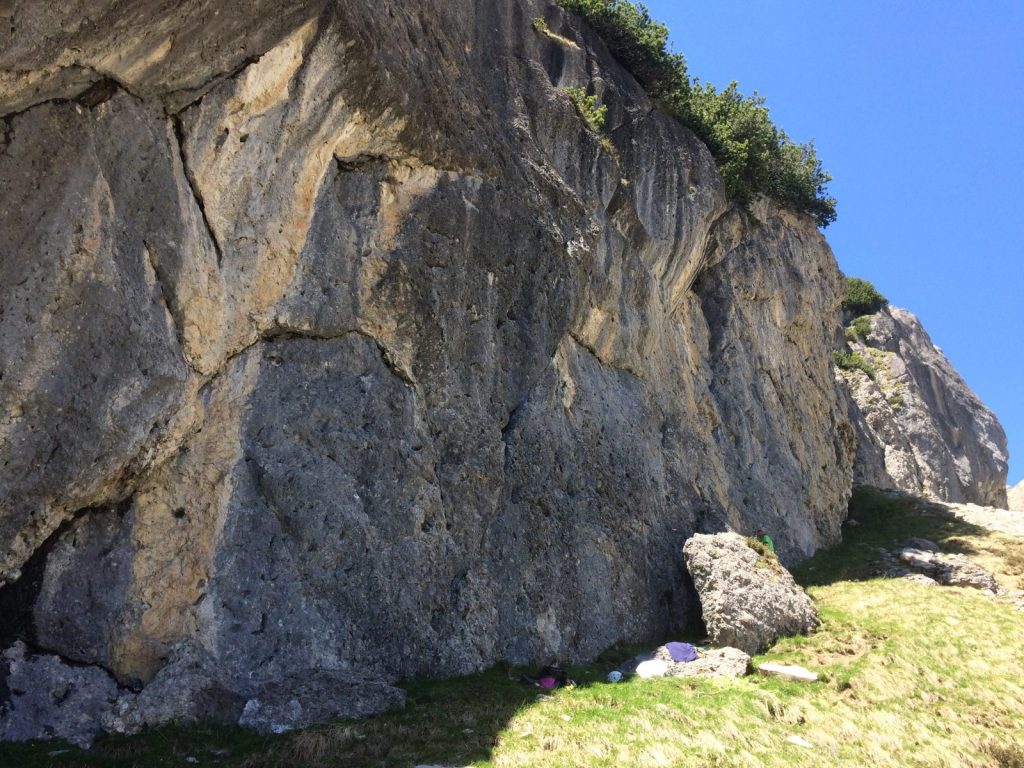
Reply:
x=912, y=675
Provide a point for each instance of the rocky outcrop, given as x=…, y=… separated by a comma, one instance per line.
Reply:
x=923, y=562
x=920, y=428
x=332, y=339
x=950, y=570
x=747, y=599
x=41, y=697
x=1015, y=497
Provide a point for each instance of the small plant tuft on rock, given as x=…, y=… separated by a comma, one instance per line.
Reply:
x=854, y=361
x=593, y=115
x=862, y=326
x=766, y=558
x=590, y=110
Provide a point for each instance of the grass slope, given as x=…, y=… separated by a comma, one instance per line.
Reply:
x=910, y=676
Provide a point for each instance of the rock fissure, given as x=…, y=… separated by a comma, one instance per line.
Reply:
x=197, y=93
x=197, y=196
x=167, y=301
x=111, y=78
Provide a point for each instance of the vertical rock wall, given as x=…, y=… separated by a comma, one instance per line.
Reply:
x=349, y=347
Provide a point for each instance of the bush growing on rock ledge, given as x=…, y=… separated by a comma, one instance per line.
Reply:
x=593, y=114
x=862, y=298
x=753, y=155
x=859, y=328
x=854, y=361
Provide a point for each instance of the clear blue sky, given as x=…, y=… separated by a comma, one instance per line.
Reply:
x=917, y=110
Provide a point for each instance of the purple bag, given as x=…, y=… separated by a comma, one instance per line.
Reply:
x=681, y=651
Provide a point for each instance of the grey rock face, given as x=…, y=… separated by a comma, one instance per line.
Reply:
x=745, y=604
x=326, y=349
x=188, y=689
x=992, y=518
x=47, y=699
x=920, y=427
x=313, y=697
x=92, y=379
x=81, y=615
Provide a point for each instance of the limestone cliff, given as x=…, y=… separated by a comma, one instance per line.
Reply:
x=920, y=428
x=332, y=342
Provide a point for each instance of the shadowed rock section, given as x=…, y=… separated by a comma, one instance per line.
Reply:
x=333, y=340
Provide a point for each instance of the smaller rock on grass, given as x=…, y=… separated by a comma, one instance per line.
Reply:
x=950, y=570
x=788, y=672
x=325, y=695
x=916, y=542
x=710, y=662
x=715, y=662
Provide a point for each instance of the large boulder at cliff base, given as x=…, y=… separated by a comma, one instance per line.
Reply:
x=44, y=698
x=186, y=690
x=748, y=599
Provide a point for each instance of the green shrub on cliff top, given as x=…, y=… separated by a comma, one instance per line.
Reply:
x=862, y=298
x=637, y=41
x=754, y=156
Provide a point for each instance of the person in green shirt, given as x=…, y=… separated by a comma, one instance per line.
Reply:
x=764, y=538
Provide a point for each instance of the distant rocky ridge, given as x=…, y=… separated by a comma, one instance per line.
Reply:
x=332, y=339
x=1015, y=497
x=920, y=428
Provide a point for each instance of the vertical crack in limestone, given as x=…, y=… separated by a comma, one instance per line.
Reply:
x=179, y=134
x=7, y=135
x=166, y=299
